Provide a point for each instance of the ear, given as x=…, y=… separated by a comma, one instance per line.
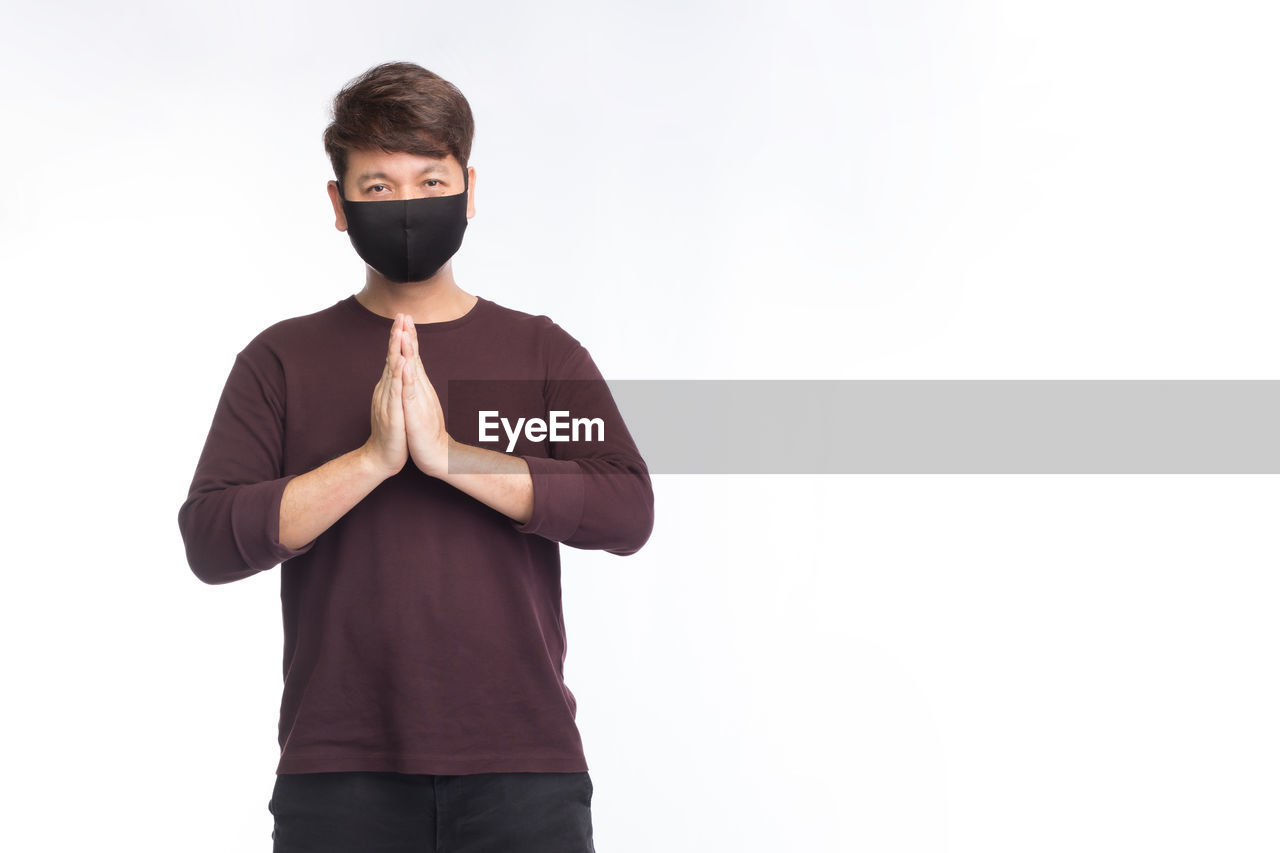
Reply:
x=471, y=192
x=340, y=219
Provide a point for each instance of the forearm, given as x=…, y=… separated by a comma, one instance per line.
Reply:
x=498, y=480
x=592, y=502
x=312, y=502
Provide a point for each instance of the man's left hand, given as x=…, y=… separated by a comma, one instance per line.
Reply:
x=423, y=418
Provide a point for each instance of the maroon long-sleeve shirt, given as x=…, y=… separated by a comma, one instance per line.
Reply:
x=423, y=631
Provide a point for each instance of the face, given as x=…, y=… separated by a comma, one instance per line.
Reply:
x=378, y=176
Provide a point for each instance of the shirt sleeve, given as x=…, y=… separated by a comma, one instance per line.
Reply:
x=230, y=521
x=595, y=492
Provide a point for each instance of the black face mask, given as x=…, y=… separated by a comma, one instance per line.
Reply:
x=407, y=239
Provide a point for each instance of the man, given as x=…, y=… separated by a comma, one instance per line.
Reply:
x=424, y=704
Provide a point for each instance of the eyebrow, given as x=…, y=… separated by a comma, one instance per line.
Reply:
x=382, y=176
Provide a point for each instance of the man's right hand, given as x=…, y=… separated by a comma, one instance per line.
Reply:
x=388, y=448
x=313, y=501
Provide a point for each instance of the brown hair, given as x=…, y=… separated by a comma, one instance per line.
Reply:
x=399, y=107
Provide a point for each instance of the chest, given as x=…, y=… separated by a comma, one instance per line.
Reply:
x=329, y=395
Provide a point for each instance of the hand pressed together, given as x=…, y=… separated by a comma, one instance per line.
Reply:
x=406, y=419
x=423, y=417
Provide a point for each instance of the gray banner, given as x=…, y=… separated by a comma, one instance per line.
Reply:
x=954, y=426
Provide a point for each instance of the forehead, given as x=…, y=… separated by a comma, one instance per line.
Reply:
x=364, y=164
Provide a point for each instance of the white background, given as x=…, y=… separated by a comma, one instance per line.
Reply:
x=888, y=189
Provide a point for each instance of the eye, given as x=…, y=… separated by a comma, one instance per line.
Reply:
x=432, y=182
x=376, y=186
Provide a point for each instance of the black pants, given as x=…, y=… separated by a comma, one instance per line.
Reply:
x=385, y=812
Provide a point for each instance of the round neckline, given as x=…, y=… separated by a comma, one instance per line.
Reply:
x=355, y=306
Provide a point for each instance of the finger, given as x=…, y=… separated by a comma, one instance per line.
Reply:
x=389, y=369
x=393, y=351
x=392, y=360
x=383, y=397
x=405, y=348
x=418, y=366
x=396, y=379
x=411, y=346
x=411, y=331
x=395, y=367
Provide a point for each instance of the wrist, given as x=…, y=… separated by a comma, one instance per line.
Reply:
x=370, y=464
x=438, y=467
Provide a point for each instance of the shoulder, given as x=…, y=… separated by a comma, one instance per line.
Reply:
x=296, y=335
x=539, y=329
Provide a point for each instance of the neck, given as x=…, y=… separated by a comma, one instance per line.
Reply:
x=436, y=300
